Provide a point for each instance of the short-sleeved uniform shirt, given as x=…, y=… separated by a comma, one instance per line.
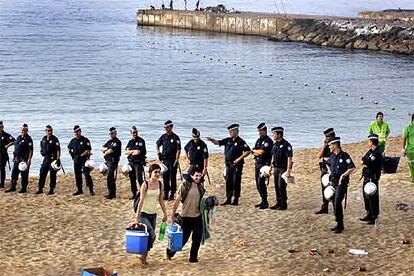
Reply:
x=78, y=146
x=373, y=160
x=22, y=147
x=233, y=149
x=116, y=146
x=49, y=147
x=170, y=145
x=197, y=152
x=408, y=134
x=264, y=143
x=137, y=144
x=281, y=151
x=339, y=164
x=5, y=139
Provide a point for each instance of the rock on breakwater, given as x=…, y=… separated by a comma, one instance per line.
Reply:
x=388, y=36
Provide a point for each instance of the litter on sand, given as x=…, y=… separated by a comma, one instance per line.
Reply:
x=358, y=252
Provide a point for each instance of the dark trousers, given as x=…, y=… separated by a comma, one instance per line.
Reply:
x=280, y=187
x=137, y=173
x=79, y=168
x=371, y=201
x=150, y=221
x=44, y=170
x=111, y=177
x=2, y=172
x=325, y=203
x=260, y=183
x=194, y=226
x=340, y=193
x=15, y=176
x=170, y=177
x=233, y=181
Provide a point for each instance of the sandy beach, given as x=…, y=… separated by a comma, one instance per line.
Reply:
x=60, y=234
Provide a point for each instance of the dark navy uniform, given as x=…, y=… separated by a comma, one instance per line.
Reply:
x=197, y=152
x=112, y=161
x=5, y=139
x=281, y=151
x=339, y=164
x=233, y=149
x=137, y=163
x=49, y=148
x=77, y=147
x=23, y=150
x=170, y=145
x=264, y=143
x=372, y=173
x=329, y=134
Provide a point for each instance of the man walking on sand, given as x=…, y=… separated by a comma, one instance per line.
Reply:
x=408, y=146
x=382, y=129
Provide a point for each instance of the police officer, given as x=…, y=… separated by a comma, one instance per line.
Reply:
x=80, y=151
x=235, y=150
x=6, y=141
x=112, y=152
x=371, y=172
x=282, y=162
x=136, y=152
x=50, y=150
x=340, y=166
x=171, y=150
x=197, y=153
x=324, y=155
x=262, y=153
x=23, y=152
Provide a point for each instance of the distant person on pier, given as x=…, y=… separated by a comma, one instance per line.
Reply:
x=171, y=5
x=198, y=5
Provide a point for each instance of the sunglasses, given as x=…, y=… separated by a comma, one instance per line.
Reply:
x=157, y=171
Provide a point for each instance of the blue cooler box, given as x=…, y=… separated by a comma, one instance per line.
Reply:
x=175, y=237
x=97, y=271
x=136, y=241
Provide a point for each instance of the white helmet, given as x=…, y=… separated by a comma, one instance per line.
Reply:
x=265, y=171
x=103, y=168
x=325, y=180
x=288, y=180
x=329, y=192
x=164, y=168
x=225, y=173
x=370, y=188
x=23, y=166
x=126, y=168
x=55, y=166
x=90, y=164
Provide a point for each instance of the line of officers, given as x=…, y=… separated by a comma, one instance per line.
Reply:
x=272, y=157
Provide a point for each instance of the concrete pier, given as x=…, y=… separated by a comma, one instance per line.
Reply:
x=261, y=24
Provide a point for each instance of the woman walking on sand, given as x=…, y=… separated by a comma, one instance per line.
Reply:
x=151, y=193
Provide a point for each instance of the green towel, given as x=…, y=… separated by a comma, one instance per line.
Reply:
x=205, y=235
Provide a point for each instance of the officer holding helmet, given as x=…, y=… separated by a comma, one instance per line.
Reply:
x=23, y=152
x=50, y=150
x=371, y=172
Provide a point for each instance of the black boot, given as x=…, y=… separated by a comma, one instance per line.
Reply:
x=227, y=202
x=91, y=191
x=11, y=189
x=275, y=207
x=366, y=218
x=264, y=205
x=78, y=192
x=23, y=191
x=235, y=201
x=51, y=192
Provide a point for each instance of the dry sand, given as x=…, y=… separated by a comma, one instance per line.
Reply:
x=60, y=234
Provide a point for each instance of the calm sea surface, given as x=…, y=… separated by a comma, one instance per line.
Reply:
x=86, y=62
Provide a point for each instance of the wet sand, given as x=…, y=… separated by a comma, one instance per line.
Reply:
x=60, y=234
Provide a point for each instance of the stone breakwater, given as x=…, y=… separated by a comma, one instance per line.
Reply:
x=377, y=35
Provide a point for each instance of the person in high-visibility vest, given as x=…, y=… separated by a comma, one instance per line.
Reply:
x=408, y=146
x=382, y=129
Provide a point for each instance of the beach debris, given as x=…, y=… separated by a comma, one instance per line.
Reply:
x=293, y=251
x=405, y=241
x=362, y=268
x=358, y=252
x=326, y=269
x=331, y=251
x=241, y=242
x=403, y=206
x=313, y=252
